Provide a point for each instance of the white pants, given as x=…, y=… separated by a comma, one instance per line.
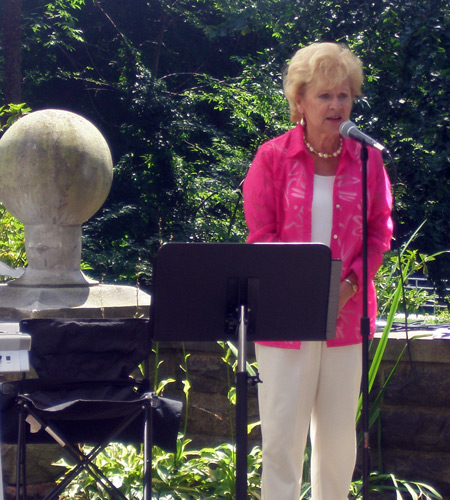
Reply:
x=316, y=387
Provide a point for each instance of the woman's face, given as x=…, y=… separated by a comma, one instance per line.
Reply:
x=324, y=108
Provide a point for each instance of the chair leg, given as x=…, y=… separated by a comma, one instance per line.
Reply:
x=148, y=445
x=107, y=485
x=86, y=461
x=21, y=475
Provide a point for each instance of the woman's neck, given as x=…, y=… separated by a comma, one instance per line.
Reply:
x=325, y=166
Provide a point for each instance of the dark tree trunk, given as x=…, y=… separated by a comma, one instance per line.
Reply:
x=11, y=41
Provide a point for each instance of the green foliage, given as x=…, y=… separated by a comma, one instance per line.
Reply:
x=382, y=486
x=391, y=281
x=442, y=316
x=186, y=91
x=54, y=24
x=205, y=474
x=397, y=268
x=11, y=113
x=121, y=464
x=12, y=240
x=12, y=235
x=407, y=48
x=208, y=474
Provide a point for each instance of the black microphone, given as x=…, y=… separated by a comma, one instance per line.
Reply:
x=350, y=131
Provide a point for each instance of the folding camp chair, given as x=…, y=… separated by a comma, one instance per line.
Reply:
x=84, y=394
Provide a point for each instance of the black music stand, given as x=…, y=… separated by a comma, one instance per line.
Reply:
x=242, y=292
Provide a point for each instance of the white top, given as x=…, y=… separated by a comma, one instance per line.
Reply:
x=322, y=209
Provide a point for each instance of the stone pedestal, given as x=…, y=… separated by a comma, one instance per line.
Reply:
x=56, y=172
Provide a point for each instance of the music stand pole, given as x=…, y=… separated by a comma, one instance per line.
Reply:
x=241, y=408
x=365, y=332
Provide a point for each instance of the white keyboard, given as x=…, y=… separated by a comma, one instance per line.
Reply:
x=14, y=349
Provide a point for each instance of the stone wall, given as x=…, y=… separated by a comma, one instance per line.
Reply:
x=415, y=417
x=210, y=415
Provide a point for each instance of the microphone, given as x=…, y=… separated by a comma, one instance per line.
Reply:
x=350, y=131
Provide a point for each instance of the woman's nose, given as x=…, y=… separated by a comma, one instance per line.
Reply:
x=335, y=103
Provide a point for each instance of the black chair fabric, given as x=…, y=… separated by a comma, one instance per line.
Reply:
x=86, y=419
x=87, y=349
x=84, y=386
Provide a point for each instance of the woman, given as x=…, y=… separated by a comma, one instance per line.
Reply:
x=306, y=186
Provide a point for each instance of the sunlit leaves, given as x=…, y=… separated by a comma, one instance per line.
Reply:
x=11, y=113
x=186, y=91
x=58, y=25
x=12, y=240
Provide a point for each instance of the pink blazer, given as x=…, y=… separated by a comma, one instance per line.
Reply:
x=278, y=193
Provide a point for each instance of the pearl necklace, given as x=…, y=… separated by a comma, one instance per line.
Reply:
x=323, y=155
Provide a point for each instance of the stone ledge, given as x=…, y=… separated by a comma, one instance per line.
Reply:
x=94, y=301
x=424, y=347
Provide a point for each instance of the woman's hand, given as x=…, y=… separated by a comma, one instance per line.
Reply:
x=346, y=290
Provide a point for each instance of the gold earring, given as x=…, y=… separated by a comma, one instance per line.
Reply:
x=302, y=121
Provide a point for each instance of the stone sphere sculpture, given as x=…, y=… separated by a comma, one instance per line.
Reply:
x=55, y=173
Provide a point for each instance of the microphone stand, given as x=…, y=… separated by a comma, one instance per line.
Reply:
x=365, y=331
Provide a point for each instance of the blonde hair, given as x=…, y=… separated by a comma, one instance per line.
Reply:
x=330, y=63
